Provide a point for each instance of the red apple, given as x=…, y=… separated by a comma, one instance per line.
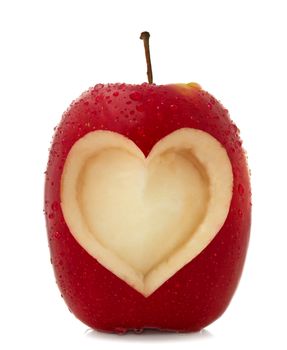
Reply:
x=147, y=203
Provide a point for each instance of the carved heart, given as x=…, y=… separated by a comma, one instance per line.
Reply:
x=145, y=218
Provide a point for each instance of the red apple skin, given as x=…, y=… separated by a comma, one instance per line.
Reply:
x=200, y=292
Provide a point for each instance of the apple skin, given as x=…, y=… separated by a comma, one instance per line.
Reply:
x=200, y=292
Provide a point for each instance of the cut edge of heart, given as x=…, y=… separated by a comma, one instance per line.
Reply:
x=206, y=156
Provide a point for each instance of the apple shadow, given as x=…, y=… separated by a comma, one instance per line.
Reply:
x=149, y=335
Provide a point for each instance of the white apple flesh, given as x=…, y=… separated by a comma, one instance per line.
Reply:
x=144, y=218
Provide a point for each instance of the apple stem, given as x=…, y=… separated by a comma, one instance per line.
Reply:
x=145, y=37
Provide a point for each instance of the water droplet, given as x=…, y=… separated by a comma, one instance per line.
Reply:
x=120, y=330
x=240, y=213
x=138, y=330
x=240, y=189
x=238, y=143
x=55, y=206
x=51, y=216
x=136, y=96
x=122, y=86
x=99, y=98
x=209, y=106
x=173, y=107
x=116, y=93
x=234, y=127
x=57, y=234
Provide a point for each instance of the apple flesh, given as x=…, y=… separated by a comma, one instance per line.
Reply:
x=147, y=203
x=145, y=218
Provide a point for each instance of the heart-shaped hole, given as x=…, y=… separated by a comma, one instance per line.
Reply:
x=145, y=218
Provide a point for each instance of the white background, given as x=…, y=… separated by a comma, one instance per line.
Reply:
x=51, y=51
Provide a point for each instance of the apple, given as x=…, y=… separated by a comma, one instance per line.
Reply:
x=148, y=207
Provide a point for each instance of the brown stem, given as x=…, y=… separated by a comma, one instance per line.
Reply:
x=145, y=37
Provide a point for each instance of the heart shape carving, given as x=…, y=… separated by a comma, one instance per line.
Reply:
x=145, y=218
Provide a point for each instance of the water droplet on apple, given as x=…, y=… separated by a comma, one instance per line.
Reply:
x=238, y=143
x=116, y=94
x=234, y=127
x=122, y=86
x=240, y=189
x=55, y=206
x=209, y=105
x=240, y=214
x=99, y=98
x=136, y=96
x=138, y=330
x=120, y=330
x=173, y=107
x=57, y=234
x=51, y=216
